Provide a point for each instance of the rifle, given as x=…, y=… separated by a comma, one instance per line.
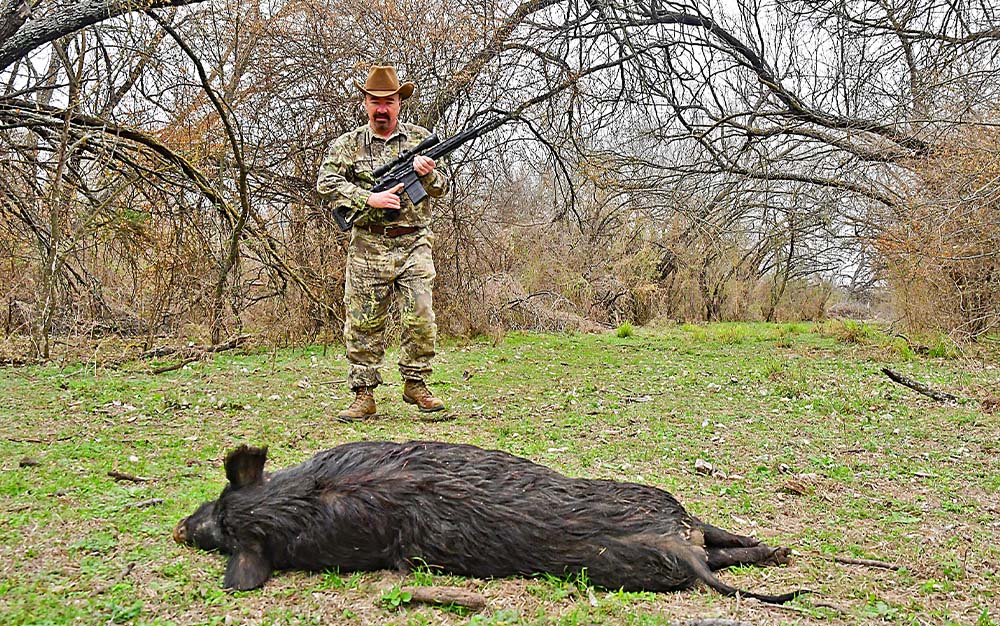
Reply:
x=400, y=170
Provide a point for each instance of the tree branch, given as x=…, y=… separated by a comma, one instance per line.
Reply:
x=940, y=396
x=13, y=15
x=767, y=77
x=66, y=18
x=464, y=77
x=24, y=113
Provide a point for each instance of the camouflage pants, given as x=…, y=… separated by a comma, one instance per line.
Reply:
x=380, y=269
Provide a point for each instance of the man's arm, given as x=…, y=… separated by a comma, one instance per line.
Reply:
x=433, y=173
x=435, y=181
x=333, y=183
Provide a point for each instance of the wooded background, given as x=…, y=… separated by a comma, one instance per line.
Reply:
x=697, y=161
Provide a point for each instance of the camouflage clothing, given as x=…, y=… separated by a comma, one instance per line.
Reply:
x=380, y=267
x=346, y=174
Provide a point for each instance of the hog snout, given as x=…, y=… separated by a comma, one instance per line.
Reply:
x=180, y=531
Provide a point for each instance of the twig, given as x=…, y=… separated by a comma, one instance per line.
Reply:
x=515, y=302
x=37, y=440
x=785, y=607
x=830, y=605
x=144, y=503
x=447, y=595
x=940, y=396
x=713, y=621
x=122, y=476
x=852, y=561
x=125, y=572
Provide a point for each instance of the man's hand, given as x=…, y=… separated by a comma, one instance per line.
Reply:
x=387, y=199
x=423, y=165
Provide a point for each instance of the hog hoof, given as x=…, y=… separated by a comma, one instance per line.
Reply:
x=779, y=556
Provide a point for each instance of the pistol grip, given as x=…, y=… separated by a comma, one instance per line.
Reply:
x=339, y=216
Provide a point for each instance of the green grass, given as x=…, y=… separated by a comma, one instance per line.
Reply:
x=893, y=476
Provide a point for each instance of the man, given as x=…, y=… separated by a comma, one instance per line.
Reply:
x=389, y=254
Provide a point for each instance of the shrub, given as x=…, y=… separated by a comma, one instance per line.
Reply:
x=941, y=249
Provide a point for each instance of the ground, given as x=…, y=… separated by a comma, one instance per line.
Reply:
x=787, y=432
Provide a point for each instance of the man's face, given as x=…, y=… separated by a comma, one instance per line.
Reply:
x=383, y=111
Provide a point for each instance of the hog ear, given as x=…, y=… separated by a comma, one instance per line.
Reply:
x=247, y=569
x=245, y=466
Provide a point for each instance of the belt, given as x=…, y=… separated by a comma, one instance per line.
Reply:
x=390, y=231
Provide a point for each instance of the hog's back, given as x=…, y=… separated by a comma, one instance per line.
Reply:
x=374, y=505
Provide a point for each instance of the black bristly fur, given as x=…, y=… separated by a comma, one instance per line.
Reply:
x=465, y=510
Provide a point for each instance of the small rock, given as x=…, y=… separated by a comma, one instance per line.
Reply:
x=703, y=467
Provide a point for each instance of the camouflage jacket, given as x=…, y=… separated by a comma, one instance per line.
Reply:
x=346, y=174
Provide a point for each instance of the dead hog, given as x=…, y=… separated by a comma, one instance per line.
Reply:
x=464, y=510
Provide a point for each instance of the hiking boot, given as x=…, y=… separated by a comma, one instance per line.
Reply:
x=416, y=392
x=362, y=407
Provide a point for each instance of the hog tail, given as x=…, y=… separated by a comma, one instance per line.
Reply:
x=699, y=568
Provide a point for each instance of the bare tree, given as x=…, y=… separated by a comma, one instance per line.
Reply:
x=701, y=159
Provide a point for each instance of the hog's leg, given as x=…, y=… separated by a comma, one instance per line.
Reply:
x=677, y=554
x=633, y=563
x=661, y=563
x=718, y=538
x=719, y=558
x=247, y=569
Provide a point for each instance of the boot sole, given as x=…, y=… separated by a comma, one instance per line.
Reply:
x=350, y=420
x=420, y=408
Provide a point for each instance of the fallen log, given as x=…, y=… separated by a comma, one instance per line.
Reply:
x=229, y=344
x=175, y=366
x=190, y=354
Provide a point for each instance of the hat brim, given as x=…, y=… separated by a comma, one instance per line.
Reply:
x=405, y=91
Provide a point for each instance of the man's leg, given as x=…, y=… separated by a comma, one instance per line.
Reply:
x=419, y=331
x=367, y=288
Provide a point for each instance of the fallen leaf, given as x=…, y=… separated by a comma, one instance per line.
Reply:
x=801, y=484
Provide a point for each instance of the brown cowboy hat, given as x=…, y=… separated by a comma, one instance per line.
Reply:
x=382, y=81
